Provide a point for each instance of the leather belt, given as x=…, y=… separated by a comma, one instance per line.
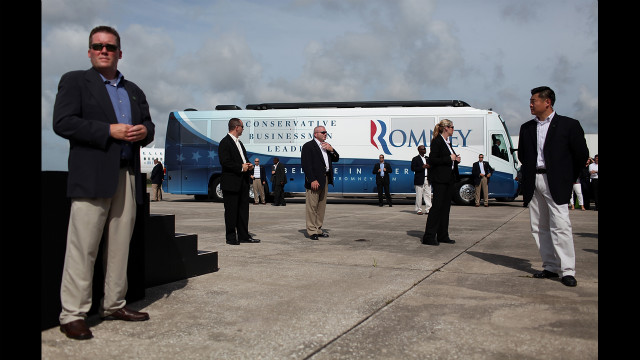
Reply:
x=541, y=171
x=124, y=163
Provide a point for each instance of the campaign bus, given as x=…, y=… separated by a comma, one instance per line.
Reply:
x=359, y=131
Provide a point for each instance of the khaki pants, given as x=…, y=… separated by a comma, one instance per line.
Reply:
x=485, y=190
x=316, y=203
x=89, y=218
x=156, y=192
x=258, y=191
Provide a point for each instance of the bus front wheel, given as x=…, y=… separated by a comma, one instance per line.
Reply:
x=465, y=193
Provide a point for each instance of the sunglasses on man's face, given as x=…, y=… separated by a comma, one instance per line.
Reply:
x=322, y=132
x=99, y=46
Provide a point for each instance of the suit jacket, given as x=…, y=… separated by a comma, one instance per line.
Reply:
x=416, y=167
x=475, y=172
x=83, y=113
x=565, y=153
x=157, y=174
x=440, y=161
x=263, y=173
x=313, y=164
x=381, y=179
x=231, y=161
x=279, y=176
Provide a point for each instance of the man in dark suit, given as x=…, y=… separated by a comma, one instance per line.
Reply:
x=236, y=177
x=157, y=175
x=278, y=179
x=444, y=173
x=106, y=120
x=481, y=172
x=259, y=181
x=553, y=151
x=382, y=171
x=317, y=158
x=420, y=166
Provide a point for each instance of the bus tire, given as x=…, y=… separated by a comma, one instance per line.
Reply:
x=215, y=192
x=465, y=193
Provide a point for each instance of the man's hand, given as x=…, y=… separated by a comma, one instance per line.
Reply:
x=126, y=132
x=315, y=185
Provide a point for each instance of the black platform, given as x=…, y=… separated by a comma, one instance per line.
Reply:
x=157, y=254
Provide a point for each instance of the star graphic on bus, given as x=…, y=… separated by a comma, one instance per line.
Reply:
x=196, y=156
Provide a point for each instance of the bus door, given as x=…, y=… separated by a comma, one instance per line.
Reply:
x=500, y=159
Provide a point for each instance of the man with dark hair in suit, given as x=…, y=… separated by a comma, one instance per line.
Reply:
x=382, y=170
x=553, y=151
x=317, y=158
x=106, y=120
x=278, y=179
x=481, y=172
x=420, y=166
x=236, y=177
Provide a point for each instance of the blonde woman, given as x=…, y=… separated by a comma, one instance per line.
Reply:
x=444, y=172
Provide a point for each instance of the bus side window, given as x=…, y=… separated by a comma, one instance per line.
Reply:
x=499, y=147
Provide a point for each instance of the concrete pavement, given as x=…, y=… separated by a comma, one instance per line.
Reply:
x=369, y=291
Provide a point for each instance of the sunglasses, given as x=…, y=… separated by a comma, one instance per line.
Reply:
x=322, y=132
x=99, y=46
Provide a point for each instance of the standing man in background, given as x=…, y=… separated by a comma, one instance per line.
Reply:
x=157, y=175
x=236, y=177
x=382, y=171
x=420, y=166
x=278, y=179
x=106, y=120
x=593, y=174
x=553, y=151
x=259, y=179
x=317, y=158
x=481, y=172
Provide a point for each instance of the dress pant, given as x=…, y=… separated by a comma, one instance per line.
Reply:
x=551, y=229
x=423, y=192
x=316, y=203
x=595, y=191
x=437, y=227
x=484, y=187
x=236, y=213
x=156, y=191
x=278, y=194
x=89, y=218
x=384, y=186
x=258, y=191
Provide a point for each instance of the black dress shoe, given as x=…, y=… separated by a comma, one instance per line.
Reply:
x=448, y=241
x=250, y=240
x=323, y=235
x=380, y=204
x=275, y=204
x=128, y=315
x=313, y=237
x=430, y=242
x=390, y=205
x=545, y=274
x=77, y=329
x=230, y=242
x=569, y=280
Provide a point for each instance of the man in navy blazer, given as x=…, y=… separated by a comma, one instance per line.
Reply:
x=383, y=170
x=236, y=177
x=481, y=179
x=553, y=151
x=317, y=158
x=420, y=166
x=106, y=120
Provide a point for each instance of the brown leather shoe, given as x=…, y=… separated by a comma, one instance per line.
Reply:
x=128, y=315
x=77, y=329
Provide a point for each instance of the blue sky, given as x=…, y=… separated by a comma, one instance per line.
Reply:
x=201, y=53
